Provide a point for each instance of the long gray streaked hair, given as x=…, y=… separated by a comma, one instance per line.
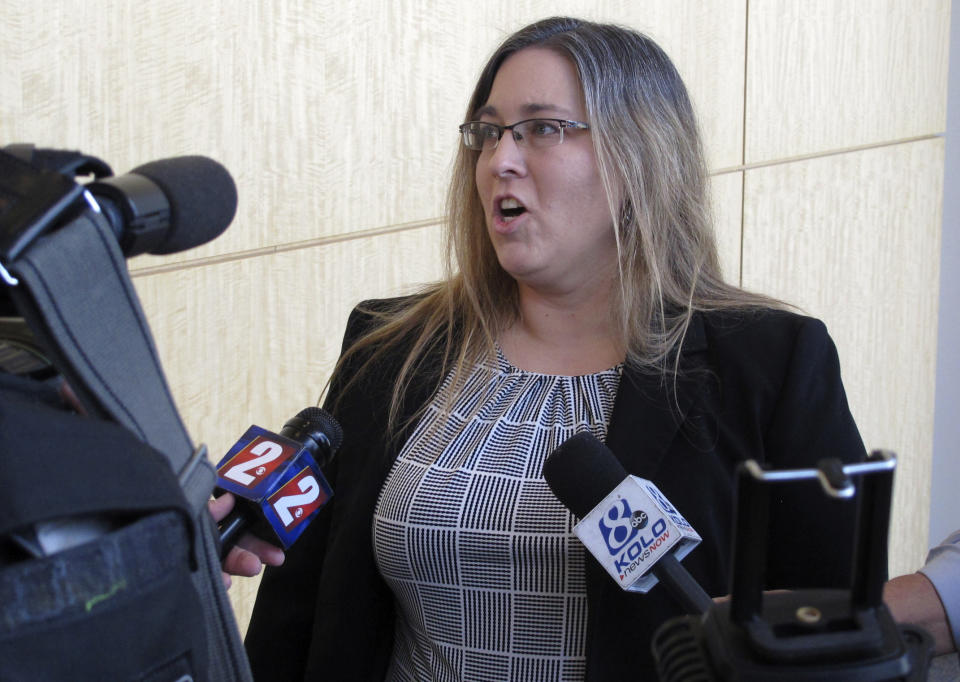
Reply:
x=652, y=168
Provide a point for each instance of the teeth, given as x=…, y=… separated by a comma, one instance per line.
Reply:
x=510, y=203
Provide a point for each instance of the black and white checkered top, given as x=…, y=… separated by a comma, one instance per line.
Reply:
x=481, y=557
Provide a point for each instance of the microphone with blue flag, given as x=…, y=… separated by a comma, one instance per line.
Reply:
x=277, y=478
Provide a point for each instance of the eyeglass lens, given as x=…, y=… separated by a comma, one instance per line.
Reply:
x=537, y=132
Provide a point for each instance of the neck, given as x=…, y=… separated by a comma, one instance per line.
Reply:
x=571, y=333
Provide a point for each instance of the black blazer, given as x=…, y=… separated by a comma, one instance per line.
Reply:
x=761, y=385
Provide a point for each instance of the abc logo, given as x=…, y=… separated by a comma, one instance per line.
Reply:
x=618, y=527
x=639, y=520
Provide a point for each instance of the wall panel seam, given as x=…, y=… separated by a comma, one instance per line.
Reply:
x=743, y=132
x=431, y=222
x=282, y=248
x=824, y=154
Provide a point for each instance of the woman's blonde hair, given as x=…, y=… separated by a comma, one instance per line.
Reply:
x=653, y=170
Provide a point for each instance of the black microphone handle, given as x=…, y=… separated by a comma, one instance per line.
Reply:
x=692, y=598
x=232, y=527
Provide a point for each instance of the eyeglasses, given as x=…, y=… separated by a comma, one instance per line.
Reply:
x=536, y=132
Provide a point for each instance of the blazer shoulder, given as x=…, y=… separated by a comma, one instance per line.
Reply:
x=760, y=328
x=766, y=345
x=367, y=314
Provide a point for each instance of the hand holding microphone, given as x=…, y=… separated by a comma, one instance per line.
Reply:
x=250, y=554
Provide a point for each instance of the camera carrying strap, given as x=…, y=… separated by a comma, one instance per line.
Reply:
x=75, y=292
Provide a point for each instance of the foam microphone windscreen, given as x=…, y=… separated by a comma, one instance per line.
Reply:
x=202, y=197
x=581, y=472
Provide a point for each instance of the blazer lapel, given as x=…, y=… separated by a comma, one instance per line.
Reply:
x=650, y=408
x=647, y=416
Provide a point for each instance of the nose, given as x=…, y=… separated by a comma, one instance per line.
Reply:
x=507, y=157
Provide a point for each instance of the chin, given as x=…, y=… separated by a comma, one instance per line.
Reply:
x=518, y=269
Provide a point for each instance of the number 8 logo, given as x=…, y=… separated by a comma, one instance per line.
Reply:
x=621, y=531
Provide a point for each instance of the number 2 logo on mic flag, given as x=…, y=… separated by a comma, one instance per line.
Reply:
x=298, y=499
x=256, y=461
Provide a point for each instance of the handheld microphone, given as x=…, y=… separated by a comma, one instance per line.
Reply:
x=626, y=523
x=277, y=479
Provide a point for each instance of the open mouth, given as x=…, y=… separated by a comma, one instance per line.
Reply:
x=509, y=209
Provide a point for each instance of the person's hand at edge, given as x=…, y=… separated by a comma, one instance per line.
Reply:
x=250, y=553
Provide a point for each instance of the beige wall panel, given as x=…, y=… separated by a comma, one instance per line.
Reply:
x=254, y=341
x=854, y=239
x=333, y=117
x=728, y=217
x=832, y=74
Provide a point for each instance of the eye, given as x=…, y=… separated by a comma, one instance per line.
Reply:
x=480, y=135
x=488, y=131
x=543, y=127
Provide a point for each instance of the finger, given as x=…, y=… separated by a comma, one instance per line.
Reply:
x=268, y=553
x=243, y=563
x=219, y=507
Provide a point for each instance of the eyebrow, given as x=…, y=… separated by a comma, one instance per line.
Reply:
x=527, y=109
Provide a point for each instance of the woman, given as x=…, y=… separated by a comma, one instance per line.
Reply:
x=585, y=294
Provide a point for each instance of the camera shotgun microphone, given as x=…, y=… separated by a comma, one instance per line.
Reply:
x=169, y=205
x=277, y=479
x=161, y=207
x=626, y=523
